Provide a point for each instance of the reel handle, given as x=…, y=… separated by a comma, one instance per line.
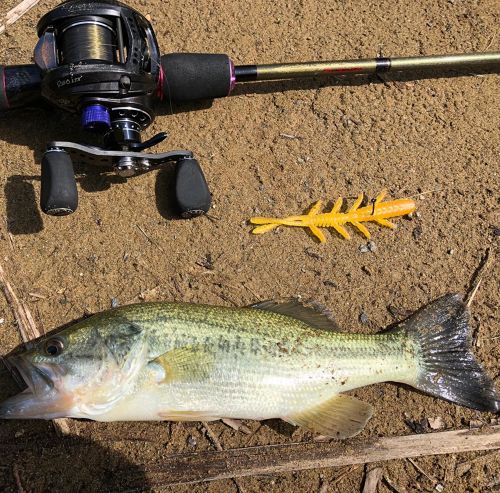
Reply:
x=59, y=195
x=20, y=85
x=191, y=189
x=193, y=76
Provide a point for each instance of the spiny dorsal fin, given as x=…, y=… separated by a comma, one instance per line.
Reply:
x=316, y=316
x=340, y=417
x=189, y=363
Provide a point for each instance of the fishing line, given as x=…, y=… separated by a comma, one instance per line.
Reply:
x=89, y=40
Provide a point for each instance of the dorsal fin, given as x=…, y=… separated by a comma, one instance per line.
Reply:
x=316, y=316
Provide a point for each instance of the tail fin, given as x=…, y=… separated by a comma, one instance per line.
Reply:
x=447, y=367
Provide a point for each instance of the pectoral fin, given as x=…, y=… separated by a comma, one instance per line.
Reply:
x=187, y=364
x=340, y=417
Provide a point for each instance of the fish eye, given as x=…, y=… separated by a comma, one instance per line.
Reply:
x=54, y=347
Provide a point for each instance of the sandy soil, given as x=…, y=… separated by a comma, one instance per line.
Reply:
x=436, y=140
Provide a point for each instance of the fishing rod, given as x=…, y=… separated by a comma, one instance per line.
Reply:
x=101, y=60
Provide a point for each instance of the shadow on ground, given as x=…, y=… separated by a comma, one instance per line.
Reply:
x=34, y=458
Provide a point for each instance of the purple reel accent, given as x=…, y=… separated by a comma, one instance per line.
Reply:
x=96, y=117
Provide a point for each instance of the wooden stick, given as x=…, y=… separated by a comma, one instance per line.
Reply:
x=17, y=479
x=213, y=438
x=372, y=479
x=17, y=12
x=477, y=277
x=276, y=459
x=24, y=319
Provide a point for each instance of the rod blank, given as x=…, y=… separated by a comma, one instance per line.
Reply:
x=282, y=71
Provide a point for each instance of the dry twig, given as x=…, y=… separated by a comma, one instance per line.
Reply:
x=213, y=438
x=344, y=475
x=392, y=486
x=372, y=479
x=17, y=479
x=25, y=323
x=17, y=12
x=477, y=278
x=276, y=459
x=153, y=242
x=324, y=486
x=237, y=425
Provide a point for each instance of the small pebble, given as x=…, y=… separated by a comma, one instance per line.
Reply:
x=451, y=251
x=417, y=233
x=2, y=320
x=368, y=247
x=331, y=284
x=436, y=423
x=439, y=487
x=417, y=426
x=363, y=318
x=191, y=441
x=115, y=303
x=496, y=232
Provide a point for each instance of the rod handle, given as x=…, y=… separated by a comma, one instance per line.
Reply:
x=20, y=85
x=193, y=76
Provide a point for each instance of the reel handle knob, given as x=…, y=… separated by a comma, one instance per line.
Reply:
x=59, y=195
x=191, y=189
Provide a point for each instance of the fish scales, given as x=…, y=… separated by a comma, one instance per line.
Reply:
x=188, y=362
x=270, y=362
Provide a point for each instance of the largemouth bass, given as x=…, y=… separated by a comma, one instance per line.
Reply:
x=185, y=362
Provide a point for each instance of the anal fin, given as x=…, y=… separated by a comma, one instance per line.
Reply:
x=172, y=415
x=340, y=417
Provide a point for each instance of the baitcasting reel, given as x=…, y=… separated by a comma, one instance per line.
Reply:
x=101, y=60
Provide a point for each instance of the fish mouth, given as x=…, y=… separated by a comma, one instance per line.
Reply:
x=41, y=398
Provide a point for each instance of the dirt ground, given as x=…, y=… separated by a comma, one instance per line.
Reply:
x=435, y=139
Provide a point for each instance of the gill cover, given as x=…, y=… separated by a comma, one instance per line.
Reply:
x=87, y=379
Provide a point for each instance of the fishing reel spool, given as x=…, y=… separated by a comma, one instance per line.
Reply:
x=102, y=61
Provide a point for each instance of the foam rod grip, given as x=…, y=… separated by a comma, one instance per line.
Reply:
x=192, y=76
x=20, y=85
x=59, y=195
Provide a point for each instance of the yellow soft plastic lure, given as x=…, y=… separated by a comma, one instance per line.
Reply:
x=377, y=212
